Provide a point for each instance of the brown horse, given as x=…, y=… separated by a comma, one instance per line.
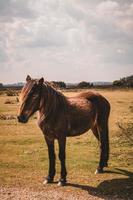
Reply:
x=60, y=117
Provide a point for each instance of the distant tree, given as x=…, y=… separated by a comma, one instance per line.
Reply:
x=126, y=82
x=1, y=85
x=91, y=84
x=117, y=83
x=83, y=84
x=59, y=84
x=130, y=81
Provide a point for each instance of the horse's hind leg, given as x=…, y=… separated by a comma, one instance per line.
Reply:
x=101, y=133
x=95, y=132
x=104, y=147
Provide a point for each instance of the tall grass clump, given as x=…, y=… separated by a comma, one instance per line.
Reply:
x=126, y=132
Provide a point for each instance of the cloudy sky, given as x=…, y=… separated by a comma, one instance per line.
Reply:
x=69, y=40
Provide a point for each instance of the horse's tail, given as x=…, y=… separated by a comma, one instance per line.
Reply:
x=102, y=108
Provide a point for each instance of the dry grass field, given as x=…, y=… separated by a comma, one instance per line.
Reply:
x=24, y=159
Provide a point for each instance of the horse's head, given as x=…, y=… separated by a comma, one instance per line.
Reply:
x=30, y=98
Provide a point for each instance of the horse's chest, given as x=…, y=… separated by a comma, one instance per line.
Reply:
x=48, y=131
x=52, y=131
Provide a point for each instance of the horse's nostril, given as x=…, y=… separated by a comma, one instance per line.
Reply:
x=22, y=118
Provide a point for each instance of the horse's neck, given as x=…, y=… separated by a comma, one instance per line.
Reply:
x=50, y=102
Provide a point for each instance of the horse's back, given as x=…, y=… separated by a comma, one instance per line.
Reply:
x=95, y=98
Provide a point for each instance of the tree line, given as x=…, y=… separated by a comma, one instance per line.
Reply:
x=124, y=82
x=63, y=85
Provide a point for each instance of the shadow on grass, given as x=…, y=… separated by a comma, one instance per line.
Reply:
x=116, y=188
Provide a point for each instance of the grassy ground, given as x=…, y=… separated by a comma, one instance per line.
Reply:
x=24, y=160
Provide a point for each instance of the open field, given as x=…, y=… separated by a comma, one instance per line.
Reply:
x=24, y=159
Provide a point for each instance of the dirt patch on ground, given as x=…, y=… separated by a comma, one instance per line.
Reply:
x=7, y=193
x=7, y=117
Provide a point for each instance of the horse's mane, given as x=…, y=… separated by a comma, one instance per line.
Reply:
x=53, y=102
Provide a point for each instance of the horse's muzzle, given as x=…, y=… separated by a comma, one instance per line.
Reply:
x=22, y=119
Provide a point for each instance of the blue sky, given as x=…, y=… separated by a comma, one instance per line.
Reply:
x=68, y=40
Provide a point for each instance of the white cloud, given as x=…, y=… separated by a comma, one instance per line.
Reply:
x=70, y=40
x=108, y=6
x=15, y=8
x=3, y=55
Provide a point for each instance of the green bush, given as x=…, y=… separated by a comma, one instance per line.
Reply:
x=11, y=93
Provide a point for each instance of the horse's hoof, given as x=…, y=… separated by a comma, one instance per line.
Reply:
x=47, y=181
x=61, y=183
x=99, y=171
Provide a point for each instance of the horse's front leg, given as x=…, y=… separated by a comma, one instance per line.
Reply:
x=51, y=154
x=62, y=158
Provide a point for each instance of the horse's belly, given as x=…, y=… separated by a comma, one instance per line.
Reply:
x=74, y=132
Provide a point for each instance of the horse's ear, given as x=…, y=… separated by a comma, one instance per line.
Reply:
x=41, y=80
x=28, y=78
